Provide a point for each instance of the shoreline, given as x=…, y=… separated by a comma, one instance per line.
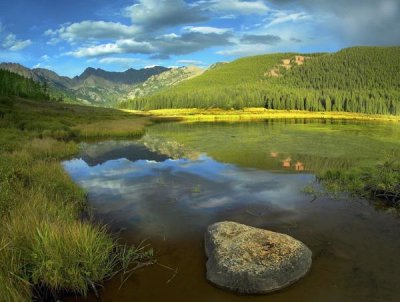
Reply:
x=250, y=114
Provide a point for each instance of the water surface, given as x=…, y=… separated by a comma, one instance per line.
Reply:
x=179, y=178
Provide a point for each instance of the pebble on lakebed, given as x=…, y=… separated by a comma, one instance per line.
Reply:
x=248, y=260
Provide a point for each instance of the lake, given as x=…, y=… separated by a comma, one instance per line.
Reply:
x=168, y=186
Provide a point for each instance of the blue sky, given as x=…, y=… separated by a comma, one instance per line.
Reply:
x=68, y=36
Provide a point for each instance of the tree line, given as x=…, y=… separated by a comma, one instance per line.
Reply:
x=360, y=79
x=12, y=84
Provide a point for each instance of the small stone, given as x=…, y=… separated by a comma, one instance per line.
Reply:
x=248, y=260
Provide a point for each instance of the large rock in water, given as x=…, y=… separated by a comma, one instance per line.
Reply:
x=253, y=261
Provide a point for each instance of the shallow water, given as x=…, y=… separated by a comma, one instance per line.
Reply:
x=179, y=178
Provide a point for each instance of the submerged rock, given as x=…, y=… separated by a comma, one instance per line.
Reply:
x=253, y=261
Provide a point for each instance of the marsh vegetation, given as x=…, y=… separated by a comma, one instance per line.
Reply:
x=46, y=245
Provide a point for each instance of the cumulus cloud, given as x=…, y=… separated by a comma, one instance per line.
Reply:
x=160, y=47
x=157, y=14
x=206, y=29
x=163, y=28
x=239, y=6
x=190, y=42
x=119, y=47
x=279, y=17
x=245, y=50
x=261, y=39
x=357, y=22
x=11, y=42
x=170, y=36
x=92, y=30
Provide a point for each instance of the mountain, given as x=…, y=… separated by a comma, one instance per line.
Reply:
x=52, y=78
x=129, y=77
x=163, y=80
x=93, y=86
x=21, y=70
x=357, y=79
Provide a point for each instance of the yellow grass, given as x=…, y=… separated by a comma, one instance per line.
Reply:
x=112, y=128
x=248, y=114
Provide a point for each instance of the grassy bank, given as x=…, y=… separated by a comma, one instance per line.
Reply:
x=44, y=243
x=248, y=114
x=380, y=182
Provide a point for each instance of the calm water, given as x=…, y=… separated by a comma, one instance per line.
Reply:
x=168, y=186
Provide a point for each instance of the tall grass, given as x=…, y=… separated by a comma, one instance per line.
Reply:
x=44, y=243
x=13, y=284
x=114, y=128
x=381, y=182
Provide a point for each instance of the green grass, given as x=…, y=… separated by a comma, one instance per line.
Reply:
x=114, y=128
x=66, y=121
x=44, y=243
x=380, y=182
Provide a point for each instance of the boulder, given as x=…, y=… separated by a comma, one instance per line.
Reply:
x=249, y=260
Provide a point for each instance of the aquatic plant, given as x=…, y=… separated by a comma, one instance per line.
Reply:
x=380, y=182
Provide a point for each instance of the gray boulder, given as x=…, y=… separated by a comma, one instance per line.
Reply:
x=248, y=260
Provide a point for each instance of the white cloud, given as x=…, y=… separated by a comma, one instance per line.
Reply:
x=279, y=17
x=245, y=50
x=11, y=43
x=239, y=6
x=228, y=17
x=171, y=36
x=118, y=60
x=157, y=14
x=91, y=30
x=39, y=65
x=120, y=46
x=45, y=57
x=206, y=30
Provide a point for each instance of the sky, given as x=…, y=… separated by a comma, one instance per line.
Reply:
x=69, y=36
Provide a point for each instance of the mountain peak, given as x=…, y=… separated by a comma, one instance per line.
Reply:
x=130, y=76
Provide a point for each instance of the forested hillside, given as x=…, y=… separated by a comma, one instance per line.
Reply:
x=358, y=79
x=12, y=84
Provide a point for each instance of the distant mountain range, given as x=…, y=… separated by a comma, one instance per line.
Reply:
x=128, y=77
x=104, y=88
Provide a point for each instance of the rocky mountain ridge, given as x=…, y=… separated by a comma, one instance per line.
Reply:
x=93, y=86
